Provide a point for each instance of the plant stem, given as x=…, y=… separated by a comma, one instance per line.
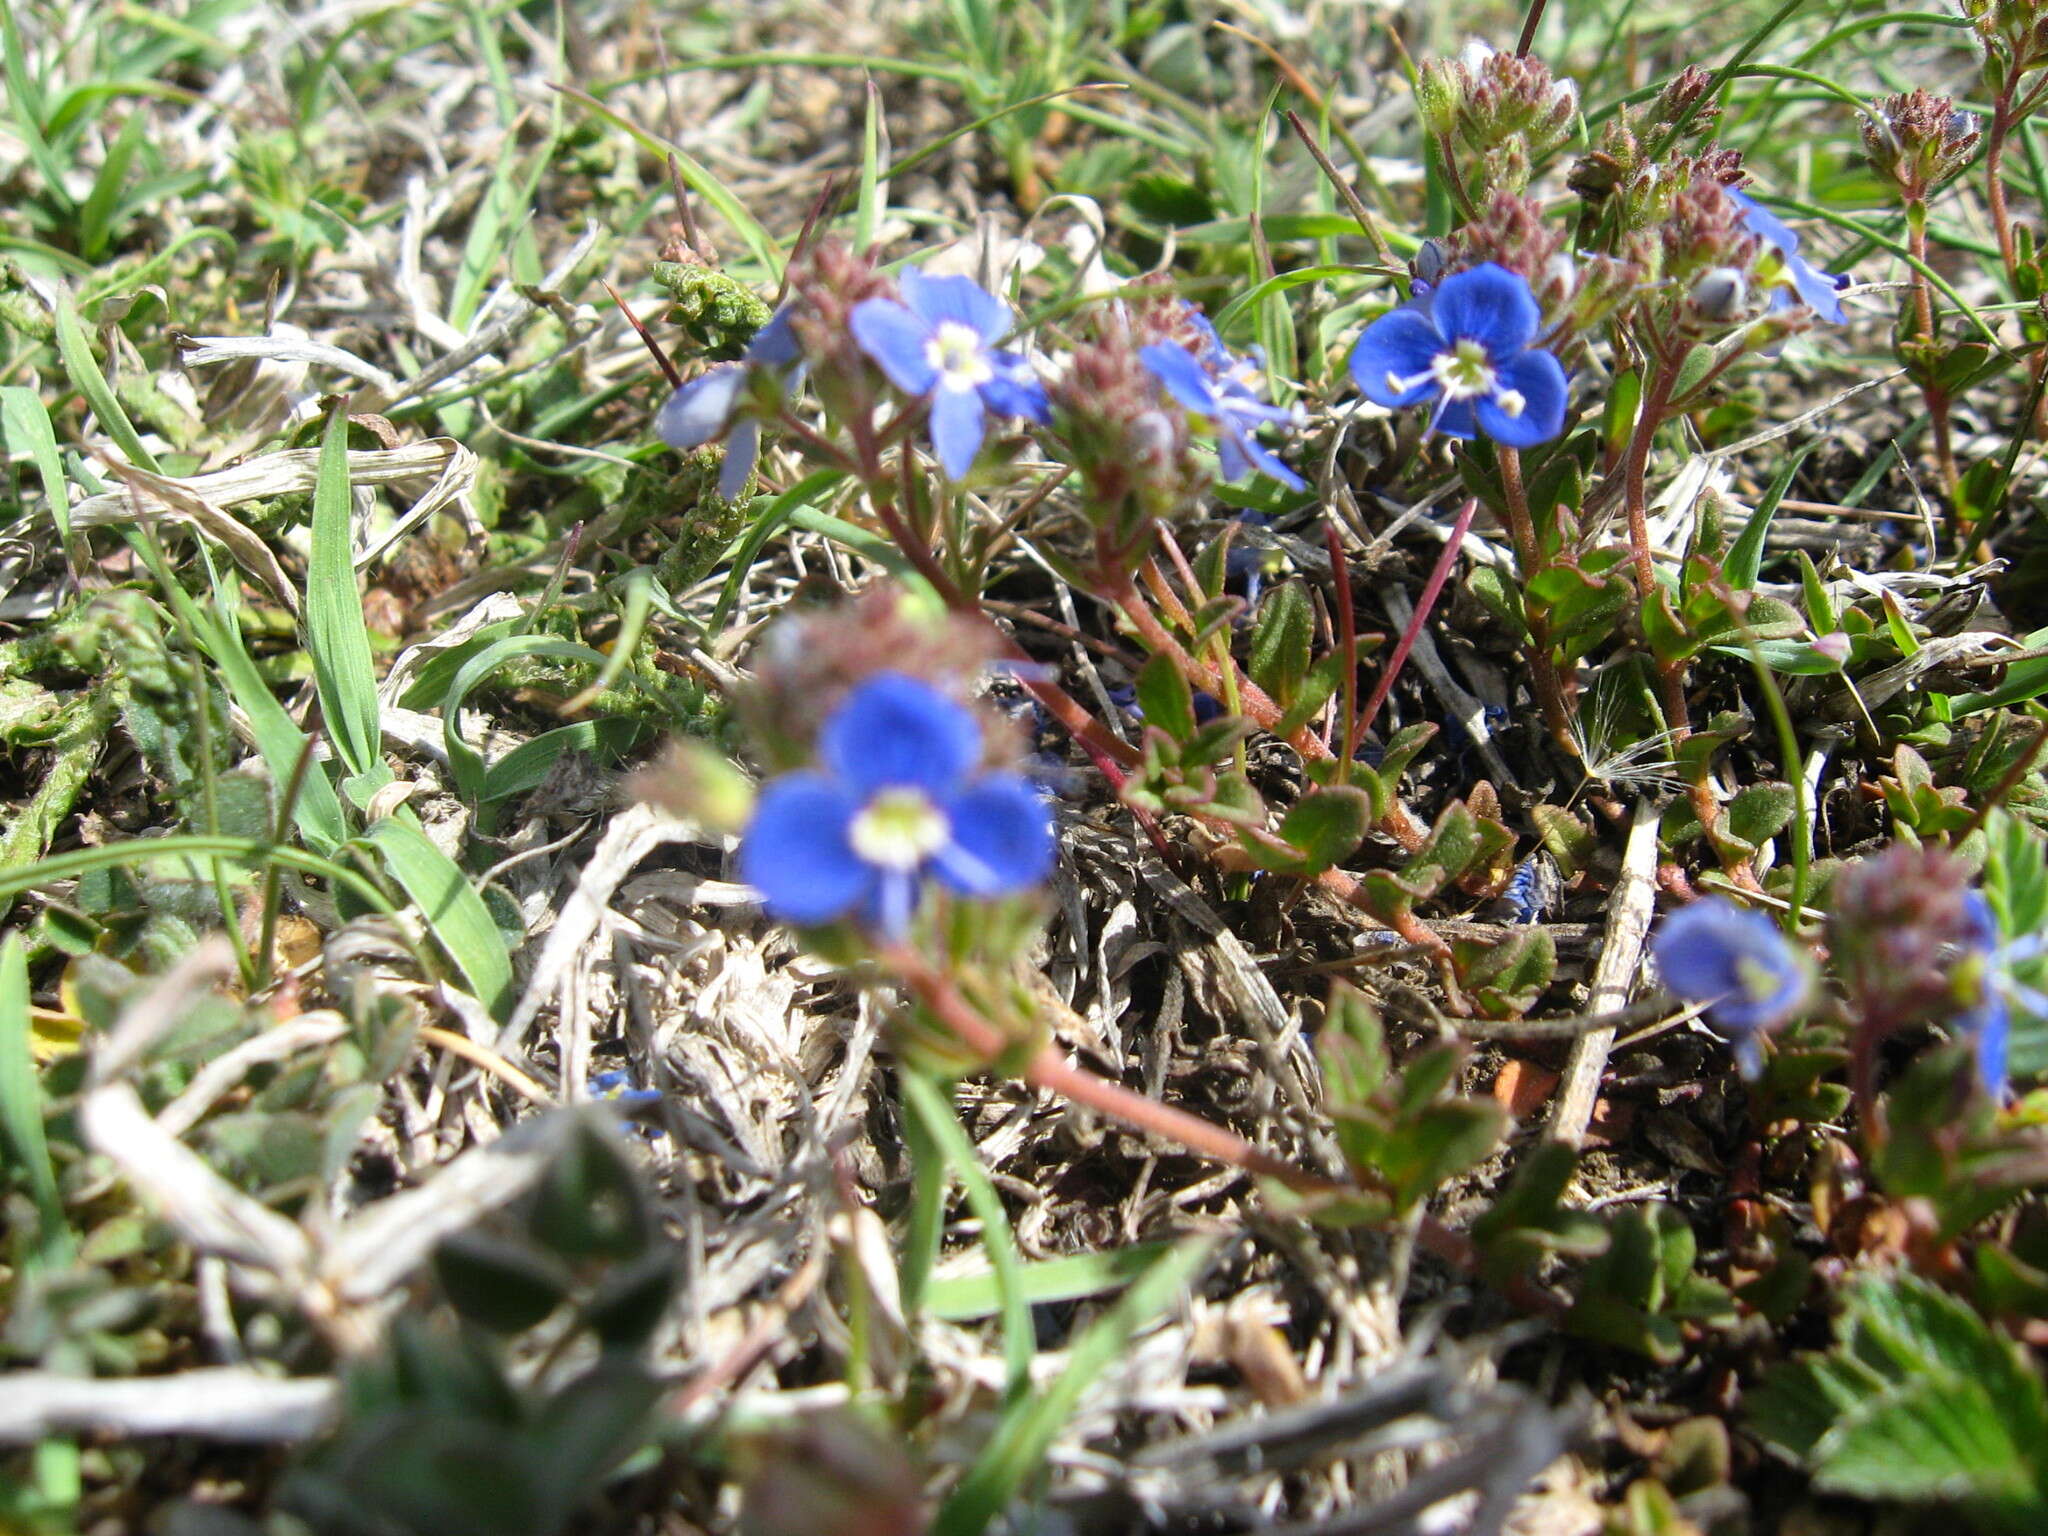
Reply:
x=1543, y=671
x=1923, y=316
x=1347, y=642
x=1052, y=1072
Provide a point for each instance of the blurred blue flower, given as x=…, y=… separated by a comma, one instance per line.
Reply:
x=1224, y=391
x=1467, y=345
x=896, y=798
x=1737, y=963
x=1987, y=1024
x=711, y=405
x=1816, y=289
x=941, y=341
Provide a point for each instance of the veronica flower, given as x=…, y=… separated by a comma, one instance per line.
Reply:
x=940, y=341
x=895, y=799
x=1467, y=346
x=1816, y=289
x=712, y=406
x=1224, y=391
x=1737, y=963
x=1987, y=1024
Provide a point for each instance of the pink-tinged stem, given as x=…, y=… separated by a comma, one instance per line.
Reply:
x=1347, y=644
x=1430, y=591
x=1051, y=1071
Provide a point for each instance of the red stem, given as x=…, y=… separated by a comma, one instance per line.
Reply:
x=1453, y=547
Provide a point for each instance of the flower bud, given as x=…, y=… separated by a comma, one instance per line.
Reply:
x=1918, y=141
x=1720, y=293
x=1899, y=919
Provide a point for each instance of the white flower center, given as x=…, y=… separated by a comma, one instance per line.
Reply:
x=898, y=829
x=958, y=356
x=1464, y=372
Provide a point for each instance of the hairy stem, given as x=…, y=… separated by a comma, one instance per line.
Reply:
x=1543, y=672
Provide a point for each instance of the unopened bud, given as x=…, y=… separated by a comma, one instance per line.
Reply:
x=1720, y=293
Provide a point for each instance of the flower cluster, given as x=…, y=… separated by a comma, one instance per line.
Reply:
x=897, y=798
x=1917, y=141
x=1915, y=942
x=1737, y=963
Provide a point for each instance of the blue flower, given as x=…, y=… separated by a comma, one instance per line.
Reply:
x=1987, y=1024
x=710, y=406
x=1467, y=346
x=1738, y=964
x=895, y=799
x=941, y=341
x=1224, y=391
x=1816, y=289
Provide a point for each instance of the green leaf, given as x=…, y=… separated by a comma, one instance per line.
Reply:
x=25, y=428
x=336, y=638
x=1327, y=825
x=76, y=352
x=1282, y=640
x=502, y=1286
x=964, y=1298
x=589, y=1203
x=1745, y=559
x=465, y=762
x=630, y=1302
x=1166, y=699
x=454, y=913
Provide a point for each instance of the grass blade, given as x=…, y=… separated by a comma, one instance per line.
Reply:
x=1020, y=1442
x=76, y=352
x=336, y=638
x=21, y=1108
x=454, y=913
x=932, y=1107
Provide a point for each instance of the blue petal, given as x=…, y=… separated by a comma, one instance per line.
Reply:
x=958, y=425
x=1980, y=920
x=1180, y=376
x=895, y=338
x=1488, y=304
x=888, y=910
x=1763, y=223
x=1209, y=349
x=741, y=449
x=1989, y=1028
x=898, y=730
x=796, y=853
x=1731, y=958
x=1014, y=389
x=702, y=409
x=1399, y=345
x=1231, y=457
x=1241, y=407
x=1454, y=419
x=961, y=299
x=1270, y=463
x=1816, y=288
x=1540, y=380
x=1002, y=838
x=774, y=345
